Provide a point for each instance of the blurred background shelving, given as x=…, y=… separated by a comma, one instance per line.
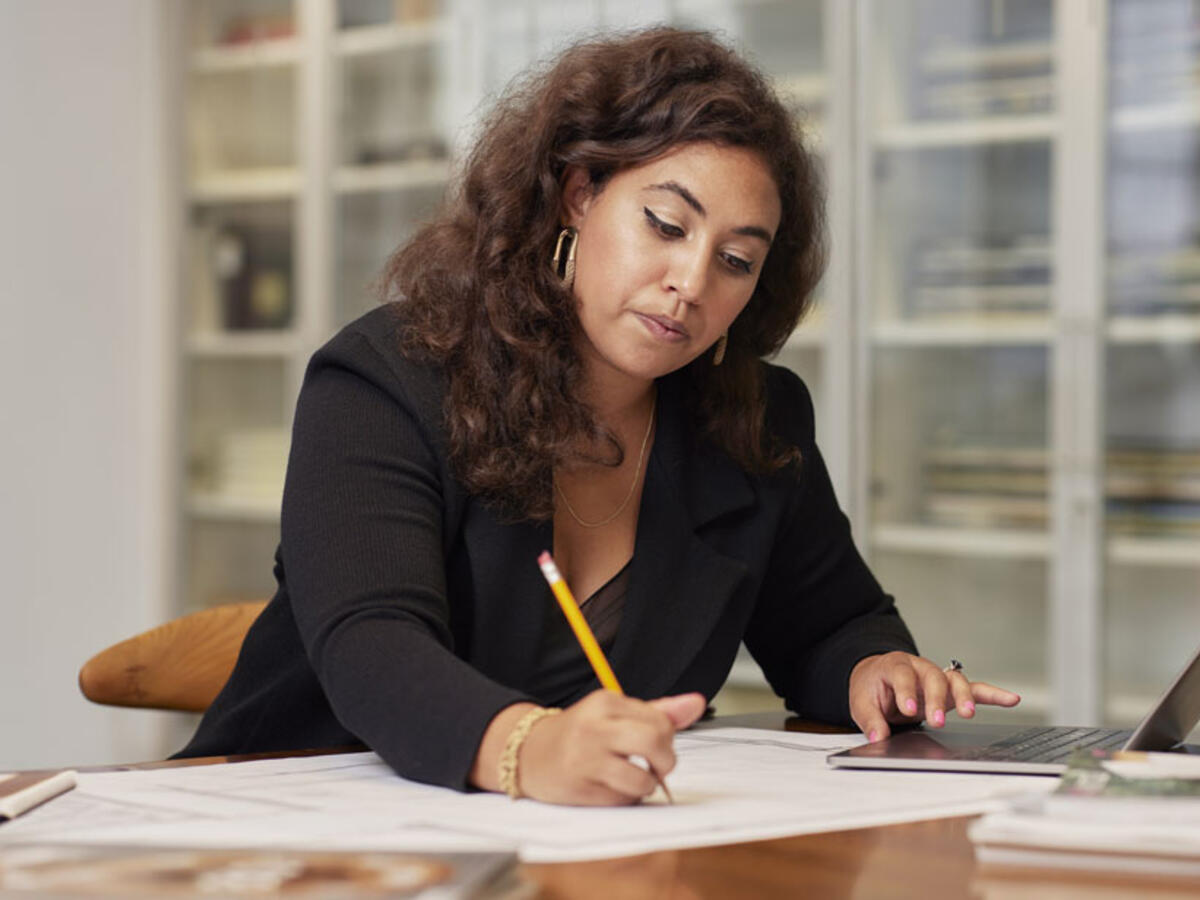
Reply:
x=1151, y=479
x=244, y=66
x=1007, y=379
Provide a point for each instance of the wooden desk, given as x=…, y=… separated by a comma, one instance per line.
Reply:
x=930, y=859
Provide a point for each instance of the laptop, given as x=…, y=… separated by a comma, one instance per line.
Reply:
x=1023, y=750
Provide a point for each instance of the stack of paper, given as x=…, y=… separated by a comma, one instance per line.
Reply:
x=730, y=785
x=1112, y=811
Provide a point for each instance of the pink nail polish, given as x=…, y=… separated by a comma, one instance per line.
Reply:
x=910, y=706
x=969, y=707
x=939, y=718
x=872, y=737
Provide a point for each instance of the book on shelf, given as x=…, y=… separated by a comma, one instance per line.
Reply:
x=1016, y=259
x=986, y=481
x=979, y=485
x=1152, y=486
x=1154, y=280
x=1127, y=453
x=939, y=105
x=252, y=462
x=978, y=300
x=1112, y=811
x=1167, y=520
x=1155, y=300
x=126, y=871
x=996, y=75
x=986, y=510
x=381, y=12
x=1150, y=491
x=981, y=274
x=250, y=28
x=1157, y=264
x=969, y=99
x=993, y=58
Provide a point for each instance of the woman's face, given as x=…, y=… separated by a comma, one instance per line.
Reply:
x=669, y=253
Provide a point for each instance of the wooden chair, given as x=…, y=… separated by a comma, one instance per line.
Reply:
x=181, y=665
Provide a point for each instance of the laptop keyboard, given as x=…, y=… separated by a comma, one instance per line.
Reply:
x=1050, y=744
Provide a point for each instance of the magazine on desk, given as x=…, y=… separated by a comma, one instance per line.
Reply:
x=1112, y=810
x=88, y=871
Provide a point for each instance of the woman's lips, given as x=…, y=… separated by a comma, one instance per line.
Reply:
x=663, y=328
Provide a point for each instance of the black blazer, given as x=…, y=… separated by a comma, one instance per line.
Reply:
x=408, y=613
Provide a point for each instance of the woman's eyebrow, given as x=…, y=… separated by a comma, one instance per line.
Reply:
x=690, y=199
x=676, y=188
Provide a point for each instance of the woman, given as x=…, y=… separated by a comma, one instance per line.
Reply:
x=576, y=362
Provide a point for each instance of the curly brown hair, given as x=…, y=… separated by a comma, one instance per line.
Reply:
x=476, y=289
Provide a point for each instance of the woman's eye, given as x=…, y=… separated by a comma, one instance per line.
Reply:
x=659, y=225
x=666, y=229
x=736, y=262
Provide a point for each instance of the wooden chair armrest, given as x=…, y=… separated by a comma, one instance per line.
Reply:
x=181, y=665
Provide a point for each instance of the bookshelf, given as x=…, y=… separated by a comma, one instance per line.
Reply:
x=1026, y=249
x=1016, y=262
x=1151, y=346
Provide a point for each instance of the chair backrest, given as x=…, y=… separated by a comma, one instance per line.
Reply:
x=181, y=665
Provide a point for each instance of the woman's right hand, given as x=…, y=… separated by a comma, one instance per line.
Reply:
x=582, y=757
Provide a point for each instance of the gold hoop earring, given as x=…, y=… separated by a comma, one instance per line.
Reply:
x=719, y=353
x=564, y=263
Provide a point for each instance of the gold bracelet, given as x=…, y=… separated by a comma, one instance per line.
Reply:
x=508, y=759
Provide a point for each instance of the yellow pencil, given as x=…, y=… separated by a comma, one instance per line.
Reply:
x=587, y=640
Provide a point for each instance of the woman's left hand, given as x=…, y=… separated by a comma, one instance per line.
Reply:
x=899, y=688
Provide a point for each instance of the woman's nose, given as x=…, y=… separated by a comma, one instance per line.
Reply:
x=688, y=274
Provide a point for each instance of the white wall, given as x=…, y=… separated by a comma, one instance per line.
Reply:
x=85, y=380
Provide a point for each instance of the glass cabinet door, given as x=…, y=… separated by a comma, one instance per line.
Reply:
x=242, y=192
x=1152, y=429
x=956, y=284
x=393, y=131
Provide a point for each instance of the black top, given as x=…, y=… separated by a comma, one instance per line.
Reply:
x=409, y=613
x=563, y=672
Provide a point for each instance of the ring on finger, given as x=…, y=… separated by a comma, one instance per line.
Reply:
x=955, y=666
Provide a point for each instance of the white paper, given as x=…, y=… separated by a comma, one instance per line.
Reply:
x=1145, y=838
x=730, y=785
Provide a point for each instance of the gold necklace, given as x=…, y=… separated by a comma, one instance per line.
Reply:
x=636, y=474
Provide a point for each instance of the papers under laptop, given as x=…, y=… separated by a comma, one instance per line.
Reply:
x=1024, y=750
